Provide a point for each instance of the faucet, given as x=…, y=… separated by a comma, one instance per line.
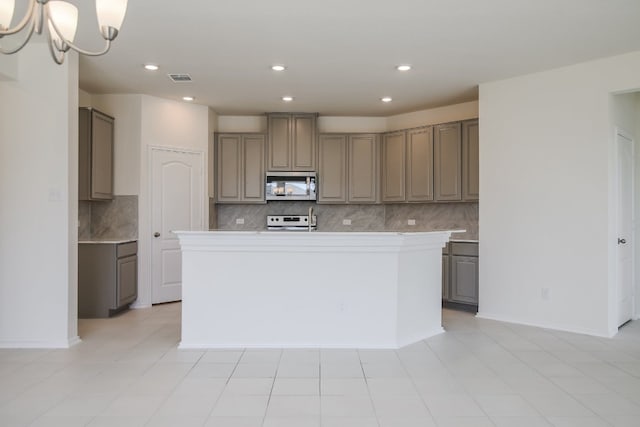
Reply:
x=310, y=221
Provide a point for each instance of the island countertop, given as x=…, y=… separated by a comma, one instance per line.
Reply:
x=310, y=289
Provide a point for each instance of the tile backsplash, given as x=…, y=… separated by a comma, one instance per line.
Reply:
x=114, y=219
x=392, y=217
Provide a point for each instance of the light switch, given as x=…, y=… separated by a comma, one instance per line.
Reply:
x=240, y=221
x=346, y=222
x=411, y=222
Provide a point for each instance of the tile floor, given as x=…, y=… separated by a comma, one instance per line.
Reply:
x=128, y=372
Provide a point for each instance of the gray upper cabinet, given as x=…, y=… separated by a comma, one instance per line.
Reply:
x=95, y=155
x=393, y=166
x=363, y=168
x=420, y=165
x=332, y=169
x=470, y=160
x=348, y=168
x=292, y=142
x=240, y=168
x=447, y=153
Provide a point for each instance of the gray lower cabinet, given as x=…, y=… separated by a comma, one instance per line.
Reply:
x=460, y=273
x=107, y=278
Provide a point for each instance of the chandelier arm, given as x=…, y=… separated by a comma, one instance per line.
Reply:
x=89, y=53
x=56, y=54
x=28, y=17
x=23, y=44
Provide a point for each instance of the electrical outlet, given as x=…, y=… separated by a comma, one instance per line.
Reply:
x=240, y=221
x=411, y=222
x=346, y=222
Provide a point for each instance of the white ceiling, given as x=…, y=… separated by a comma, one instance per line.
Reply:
x=341, y=54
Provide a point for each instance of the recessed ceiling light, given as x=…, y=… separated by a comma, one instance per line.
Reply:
x=278, y=67
x=188, y=98
x=287, y=98
x=386, y=99
x=151, y=67
x=403, y=67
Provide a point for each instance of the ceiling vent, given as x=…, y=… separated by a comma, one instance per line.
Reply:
x=180, y=78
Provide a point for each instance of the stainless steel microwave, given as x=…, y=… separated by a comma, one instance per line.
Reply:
x=291, y=186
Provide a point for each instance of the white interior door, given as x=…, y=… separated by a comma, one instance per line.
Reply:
x=625, y=228
x=176, y=204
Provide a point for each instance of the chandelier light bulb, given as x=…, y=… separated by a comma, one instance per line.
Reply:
x=6, y=12
x=63, y=16
x=110, y=15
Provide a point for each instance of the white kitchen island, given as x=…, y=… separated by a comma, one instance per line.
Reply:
x=318, y=289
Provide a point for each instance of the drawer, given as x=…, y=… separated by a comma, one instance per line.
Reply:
x=127, y=249
x=464, y=248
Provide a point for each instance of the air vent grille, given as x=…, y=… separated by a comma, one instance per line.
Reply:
x=180, y=78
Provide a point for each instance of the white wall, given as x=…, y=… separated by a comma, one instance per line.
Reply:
x=361, y=124
x=85, y=99
x=547, y=179
x=8, y=67
x=449, y=113
x=39, y=208
x=637, y=205
x=173, y=124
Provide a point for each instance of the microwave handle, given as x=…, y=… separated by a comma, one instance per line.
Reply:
x=308, y=185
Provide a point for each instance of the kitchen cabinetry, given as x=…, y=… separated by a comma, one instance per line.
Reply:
x=95, y=155
x=348, y=168
x=393, y=166
x=407, y=166
x=292, y=142
x=460, y=273
x=240, y=168
x=107, y=277
x=470, y=160
x=447, y=156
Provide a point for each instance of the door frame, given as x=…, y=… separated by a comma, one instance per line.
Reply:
x=634, y=298
x=145, y=249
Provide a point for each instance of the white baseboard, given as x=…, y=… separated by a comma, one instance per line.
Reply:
x=500, y=318
x=40, y=344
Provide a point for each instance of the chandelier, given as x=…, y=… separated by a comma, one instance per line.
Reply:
x=61, y=19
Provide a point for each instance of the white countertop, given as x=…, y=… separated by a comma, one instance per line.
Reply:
x=107, y=241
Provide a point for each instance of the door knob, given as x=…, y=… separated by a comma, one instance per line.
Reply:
x=621, y=241
x=156, y=234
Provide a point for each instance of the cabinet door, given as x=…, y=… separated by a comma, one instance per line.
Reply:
x=470, y=160
x=253, y=168
x=447, y=162
x=332, y=169
x=420, y=165
x=101, y=156
x=127, y=280
x=279, y=143
x=445, y=277
x=464, y=279
x=393, y=167
x=303, y=143
x=363, y=169
x=229, y=156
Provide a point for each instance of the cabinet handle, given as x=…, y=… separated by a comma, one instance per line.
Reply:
x=156, y=234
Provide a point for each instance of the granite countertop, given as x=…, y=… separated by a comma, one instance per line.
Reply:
x=107, y=241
